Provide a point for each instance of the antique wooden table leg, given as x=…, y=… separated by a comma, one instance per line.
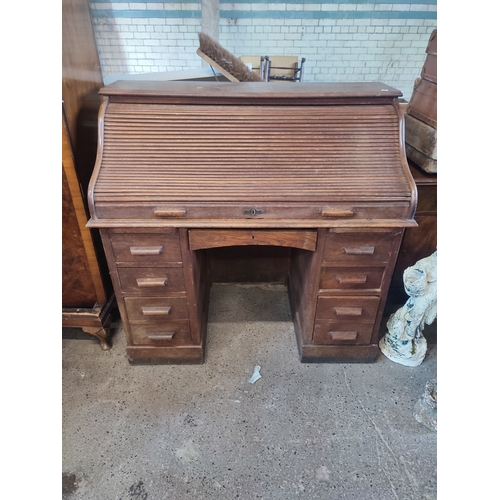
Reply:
x=101, y=334
x=96, y=320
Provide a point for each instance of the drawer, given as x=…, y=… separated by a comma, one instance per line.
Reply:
x=252, y=210
x=347, y=309
x=152, y=308
x=161, y=333
x=326, y=332
x=146, y=248
x=152, y=280
x=343, y=247
x=215, y=238
x=351, y=278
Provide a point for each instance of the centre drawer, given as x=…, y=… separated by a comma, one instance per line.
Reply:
x=348, y=309
x=216, y=238
x=153, y=308
x=152, y=280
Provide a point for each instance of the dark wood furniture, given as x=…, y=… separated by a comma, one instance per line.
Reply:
x=418, y=242
x=87, y=293
x=186, y=169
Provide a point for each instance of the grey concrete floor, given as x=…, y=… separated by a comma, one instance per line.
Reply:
x=309, y=431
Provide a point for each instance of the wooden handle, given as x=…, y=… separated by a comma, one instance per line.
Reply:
x=170, y=212
x=358, y=250
x=343, y=335
x=156, y=310
x=348, y=311
x=161, y=336
x=337, y=212
x=146, y=250
x=151, y=282
x=352, y=280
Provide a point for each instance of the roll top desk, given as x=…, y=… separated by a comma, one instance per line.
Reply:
x=318, y=168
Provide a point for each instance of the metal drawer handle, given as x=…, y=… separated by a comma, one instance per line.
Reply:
x=161, y=336
x=151, y=282
x=343, y=335
x=348, y=311
x=253, y=211
x=146, y=250
x=358, y=250
x=337, y=212
x=352, y=280
x=156, y=310
x=171, y=212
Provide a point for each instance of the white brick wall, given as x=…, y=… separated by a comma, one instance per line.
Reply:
x=391, y=51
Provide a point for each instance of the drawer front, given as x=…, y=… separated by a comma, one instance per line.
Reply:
x=351, y=278
x=252, y=210
x=152, y=308
x=215, y=238
x=161, y=333
x=348, y=309
x=152, y=280
x=137, y=248
x=326, y=332
x=358, y=248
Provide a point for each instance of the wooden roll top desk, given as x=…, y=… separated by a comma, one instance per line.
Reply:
x=316, y=168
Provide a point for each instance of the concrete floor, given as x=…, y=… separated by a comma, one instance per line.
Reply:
x=310, y=431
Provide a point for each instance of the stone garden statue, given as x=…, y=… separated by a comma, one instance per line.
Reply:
x=426, y=407
x=404, y=342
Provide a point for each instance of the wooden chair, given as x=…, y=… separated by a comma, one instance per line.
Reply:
x=280, y=68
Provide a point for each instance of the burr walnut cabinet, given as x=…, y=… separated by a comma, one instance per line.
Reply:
x=87, y=295
x=188, y=168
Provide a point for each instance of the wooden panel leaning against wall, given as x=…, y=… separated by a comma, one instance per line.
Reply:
x=87, y=297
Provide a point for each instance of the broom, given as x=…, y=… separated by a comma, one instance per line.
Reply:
x=230, y=66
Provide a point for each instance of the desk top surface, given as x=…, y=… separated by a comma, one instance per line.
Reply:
x=248, y=90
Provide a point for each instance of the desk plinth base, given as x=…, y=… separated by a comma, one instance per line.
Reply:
x=195, y=355
x=146, y=355
x=338, y=353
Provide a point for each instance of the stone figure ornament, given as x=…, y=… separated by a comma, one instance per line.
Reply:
x=426, y=407
x=404, y=342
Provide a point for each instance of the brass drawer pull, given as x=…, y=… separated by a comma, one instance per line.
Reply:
x=172, y=212
x=343, y=335
x=348, y=311
x=156, y=310
x=161, y=336
x=151, y=282
x=146, y=250
x=337, y=212
x=358, y=250
x=352, y=280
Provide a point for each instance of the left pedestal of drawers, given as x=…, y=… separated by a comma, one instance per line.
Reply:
x=157, y=283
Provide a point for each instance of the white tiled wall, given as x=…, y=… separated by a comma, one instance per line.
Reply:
x=339, y=50
x=145, y=45
x=388, y=50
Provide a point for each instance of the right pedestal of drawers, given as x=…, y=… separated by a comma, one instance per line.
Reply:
x=353, y=275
